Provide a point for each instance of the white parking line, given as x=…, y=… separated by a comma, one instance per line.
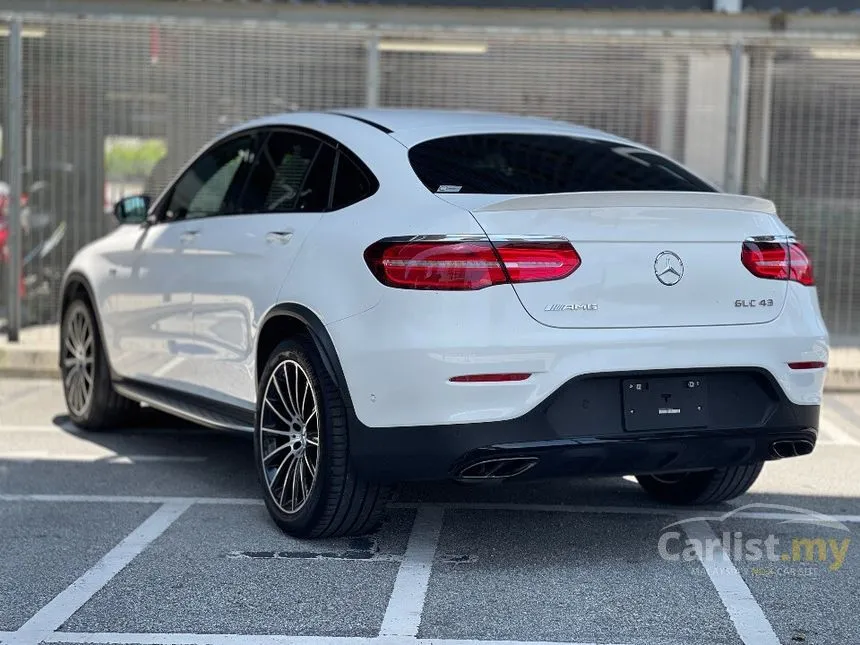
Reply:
x=406, y=604
x=67, y=602
x=129, y=499
x=542, y=508
x=208, y=639
x=615, y=510
x=70, y=428
x=139, y=459
x=750, y=622
x=271, y=639
x=48, y=427
x=110, y=458
x=459, y=506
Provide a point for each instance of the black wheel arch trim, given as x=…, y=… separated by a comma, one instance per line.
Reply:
x=321, y=339
x=78, y=278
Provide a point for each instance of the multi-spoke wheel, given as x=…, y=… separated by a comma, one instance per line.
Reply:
x=290, y=433
x=90, y=398
x=301, y=445
x=78, y=361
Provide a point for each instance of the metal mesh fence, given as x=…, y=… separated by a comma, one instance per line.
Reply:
x=814, y=156
x=656, y=91
x=114, y=106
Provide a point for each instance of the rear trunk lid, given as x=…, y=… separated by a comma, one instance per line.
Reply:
x=649, y=259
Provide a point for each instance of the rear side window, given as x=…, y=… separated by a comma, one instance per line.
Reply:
x=537, y=164
x=276, y=181
x=315, y=191
x=351, y=183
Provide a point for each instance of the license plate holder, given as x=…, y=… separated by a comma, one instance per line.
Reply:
x=664, y=403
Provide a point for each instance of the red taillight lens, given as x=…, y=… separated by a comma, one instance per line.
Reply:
x=453, y=265
x=799, y=265
x=778, y=261
x=435, y=265
x=538, y=261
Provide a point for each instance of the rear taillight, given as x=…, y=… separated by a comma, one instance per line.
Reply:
x=461, y=265
x=537, y=261
x=778, y=261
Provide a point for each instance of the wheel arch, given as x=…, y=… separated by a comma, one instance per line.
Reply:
x=75, y=284
x=288, y=319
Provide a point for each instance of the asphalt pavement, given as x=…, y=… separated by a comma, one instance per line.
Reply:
x=156, y=534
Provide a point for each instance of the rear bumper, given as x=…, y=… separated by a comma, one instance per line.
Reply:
x=580, y=431
x=398, y=357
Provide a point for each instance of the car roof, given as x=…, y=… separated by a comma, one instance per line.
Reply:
x=411, y=126
x=399, y=120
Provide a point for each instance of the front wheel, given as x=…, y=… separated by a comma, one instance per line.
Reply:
x=301, y=447
x=92, y=402
x=701, y=487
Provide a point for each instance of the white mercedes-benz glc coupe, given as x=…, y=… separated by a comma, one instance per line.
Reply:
x=391, y=295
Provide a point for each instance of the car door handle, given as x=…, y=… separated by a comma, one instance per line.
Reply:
x=188, y=236
x=278, y=237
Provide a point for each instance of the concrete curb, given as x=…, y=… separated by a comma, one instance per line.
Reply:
x=41, y=362
x=29, y=362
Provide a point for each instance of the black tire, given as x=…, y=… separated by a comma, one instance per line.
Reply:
x=701, y=487
x=104, y=409
x=339, y=502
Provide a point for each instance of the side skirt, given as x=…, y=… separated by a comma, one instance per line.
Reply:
x=206, y=412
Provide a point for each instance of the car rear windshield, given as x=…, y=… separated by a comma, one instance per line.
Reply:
x=536, y=164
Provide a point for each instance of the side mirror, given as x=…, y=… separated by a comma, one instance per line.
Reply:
x=132, y=210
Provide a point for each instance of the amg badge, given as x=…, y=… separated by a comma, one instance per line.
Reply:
x=579, y=306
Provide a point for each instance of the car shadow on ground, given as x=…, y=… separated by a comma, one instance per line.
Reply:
x=182, y=458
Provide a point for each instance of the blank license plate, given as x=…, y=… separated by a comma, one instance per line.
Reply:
x=664, y=403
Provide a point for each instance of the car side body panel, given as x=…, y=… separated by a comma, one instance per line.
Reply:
x=142, y=295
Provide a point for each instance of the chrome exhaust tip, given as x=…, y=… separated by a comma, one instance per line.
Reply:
x=497, y=468
x=791, y=448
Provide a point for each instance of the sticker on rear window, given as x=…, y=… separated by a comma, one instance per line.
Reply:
x=448, y=188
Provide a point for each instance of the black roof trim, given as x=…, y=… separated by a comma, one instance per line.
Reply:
x=367, y=121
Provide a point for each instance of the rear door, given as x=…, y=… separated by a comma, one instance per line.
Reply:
x=244, y=258
x=659, y=247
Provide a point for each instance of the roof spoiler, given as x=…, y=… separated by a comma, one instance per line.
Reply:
x=666, y=199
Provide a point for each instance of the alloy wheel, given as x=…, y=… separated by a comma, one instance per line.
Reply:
x=289, y=436
x=79, y=361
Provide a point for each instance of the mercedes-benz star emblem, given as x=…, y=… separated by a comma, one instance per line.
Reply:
x=668, y=268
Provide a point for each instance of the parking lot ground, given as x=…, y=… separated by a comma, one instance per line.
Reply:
x=46, y=547
x=238, y=580
x=806, y=599
x=546, y=576
x=155, y=533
